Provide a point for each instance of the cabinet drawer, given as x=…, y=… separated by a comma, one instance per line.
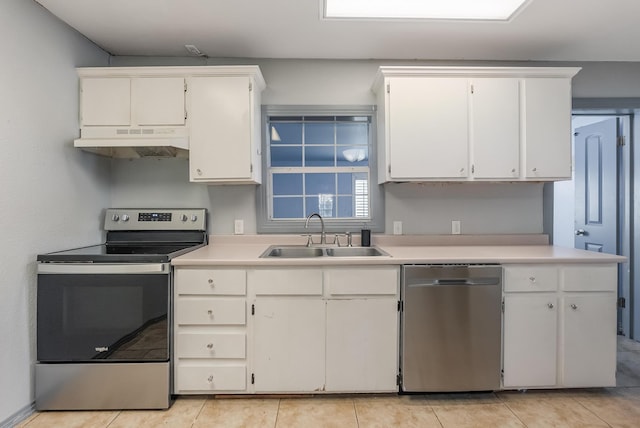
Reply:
x=530, y=278
x=211, y=311
x=211, y=281
x=369, y=281
x=211, y=378
x=205, y=345
x=291, y=282
x=589, y=278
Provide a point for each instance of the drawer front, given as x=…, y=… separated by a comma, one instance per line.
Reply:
x=205, y=345
x=589, y=278
x=359, y=281
x=530, y=278
x=211, y=378
x=211, y=311
x=231, y=282
x=289, y=282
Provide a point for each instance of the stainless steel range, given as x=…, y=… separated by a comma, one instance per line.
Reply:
x=104, y=313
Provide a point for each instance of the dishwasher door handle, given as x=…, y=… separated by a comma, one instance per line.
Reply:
x=455, y=281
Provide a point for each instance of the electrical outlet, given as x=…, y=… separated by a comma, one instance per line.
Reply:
x=238, y=227
x=455, y=227
x=397, y=228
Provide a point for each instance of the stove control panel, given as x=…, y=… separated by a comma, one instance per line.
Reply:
x=155, y=219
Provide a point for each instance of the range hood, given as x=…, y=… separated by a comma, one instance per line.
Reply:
x=131, y=143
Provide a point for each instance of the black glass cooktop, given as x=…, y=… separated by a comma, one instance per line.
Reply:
x=121, y=253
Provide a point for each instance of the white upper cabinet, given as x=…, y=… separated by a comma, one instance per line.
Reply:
x=473, y=123
x=126, y=101
x=427, y=127
x=547, y=136
x=495, y=128
x=224, y=121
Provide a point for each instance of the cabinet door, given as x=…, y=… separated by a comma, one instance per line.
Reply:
x=589, y=337
x=547, y=110
x=105, y=101
x=289, y=344
x=530, y=333
x=158, y=101
x=362, y=345
x=220, y=114
x=495, y=127
x=428, y=128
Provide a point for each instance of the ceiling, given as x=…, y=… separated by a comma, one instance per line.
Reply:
x=554, y=30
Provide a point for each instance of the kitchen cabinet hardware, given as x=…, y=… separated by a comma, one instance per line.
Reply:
x=210, y=379
x=573, y=306
x=210, y=312
x=550, y=305
x=209, y=345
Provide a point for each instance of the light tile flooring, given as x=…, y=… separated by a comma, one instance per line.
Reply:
x=598, y=407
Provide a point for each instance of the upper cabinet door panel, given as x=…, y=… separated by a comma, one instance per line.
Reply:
x=220, y=114
x=495, y=127
x=158, y=101
x=105, y=101
x=428, y=127
x=547, y=110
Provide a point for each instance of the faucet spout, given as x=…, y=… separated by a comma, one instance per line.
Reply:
x=323, y=237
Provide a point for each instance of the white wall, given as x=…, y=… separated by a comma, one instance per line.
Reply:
x=51, y=194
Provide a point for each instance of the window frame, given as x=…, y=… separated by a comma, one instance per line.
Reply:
x=264, y=192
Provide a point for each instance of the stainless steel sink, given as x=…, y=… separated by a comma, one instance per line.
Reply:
x=300, y=251
x=355, y=252
x=293, y=252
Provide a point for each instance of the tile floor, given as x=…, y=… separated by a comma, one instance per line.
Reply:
x=598, y=407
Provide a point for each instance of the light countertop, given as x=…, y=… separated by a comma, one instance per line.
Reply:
x=245, y=250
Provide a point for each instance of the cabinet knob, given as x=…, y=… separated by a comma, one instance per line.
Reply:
x=513, y=170
x=199, y=171
x=210, y=345
x=210, y=281
x=532, y=279
x=461, y=170
x=534, y=169
x=573, y=306
x=550, y=305
x=210, y=312
x=210, y=379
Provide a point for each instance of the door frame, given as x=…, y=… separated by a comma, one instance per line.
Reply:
x=628, y=321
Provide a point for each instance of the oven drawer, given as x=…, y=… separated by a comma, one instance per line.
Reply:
x=210, y=311
x=206, y=345
x=232, y=282
x=211, y=378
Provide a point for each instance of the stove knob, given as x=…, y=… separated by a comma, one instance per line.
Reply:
x=115, y=217
x=125, y=217
x=194, y=217
x=184, y=217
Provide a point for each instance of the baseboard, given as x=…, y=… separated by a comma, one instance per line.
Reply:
x=19, y=416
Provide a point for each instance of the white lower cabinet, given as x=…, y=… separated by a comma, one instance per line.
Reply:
x=564, y=335
x=210, y=350
x=324, y=329
x=530, y=340
x=288, y=338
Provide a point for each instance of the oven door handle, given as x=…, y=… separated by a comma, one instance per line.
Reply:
x=104, y=268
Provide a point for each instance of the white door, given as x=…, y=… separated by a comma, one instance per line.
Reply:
x=362, y=345
x=289, y=344
x=589, y=337
x=495, y=127
x=428, y=127
x=530, y=335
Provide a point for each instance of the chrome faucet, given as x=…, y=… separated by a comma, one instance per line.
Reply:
x=323, y=237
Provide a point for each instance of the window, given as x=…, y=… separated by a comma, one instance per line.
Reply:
x=319, y=160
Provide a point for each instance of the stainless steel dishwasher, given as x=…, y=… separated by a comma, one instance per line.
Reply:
x=451, y=328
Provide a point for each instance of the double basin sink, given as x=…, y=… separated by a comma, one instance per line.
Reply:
x=300, y=251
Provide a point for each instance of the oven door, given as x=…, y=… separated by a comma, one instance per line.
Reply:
x=103, y=312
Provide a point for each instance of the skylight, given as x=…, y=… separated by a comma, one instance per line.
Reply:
x=491, y=10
